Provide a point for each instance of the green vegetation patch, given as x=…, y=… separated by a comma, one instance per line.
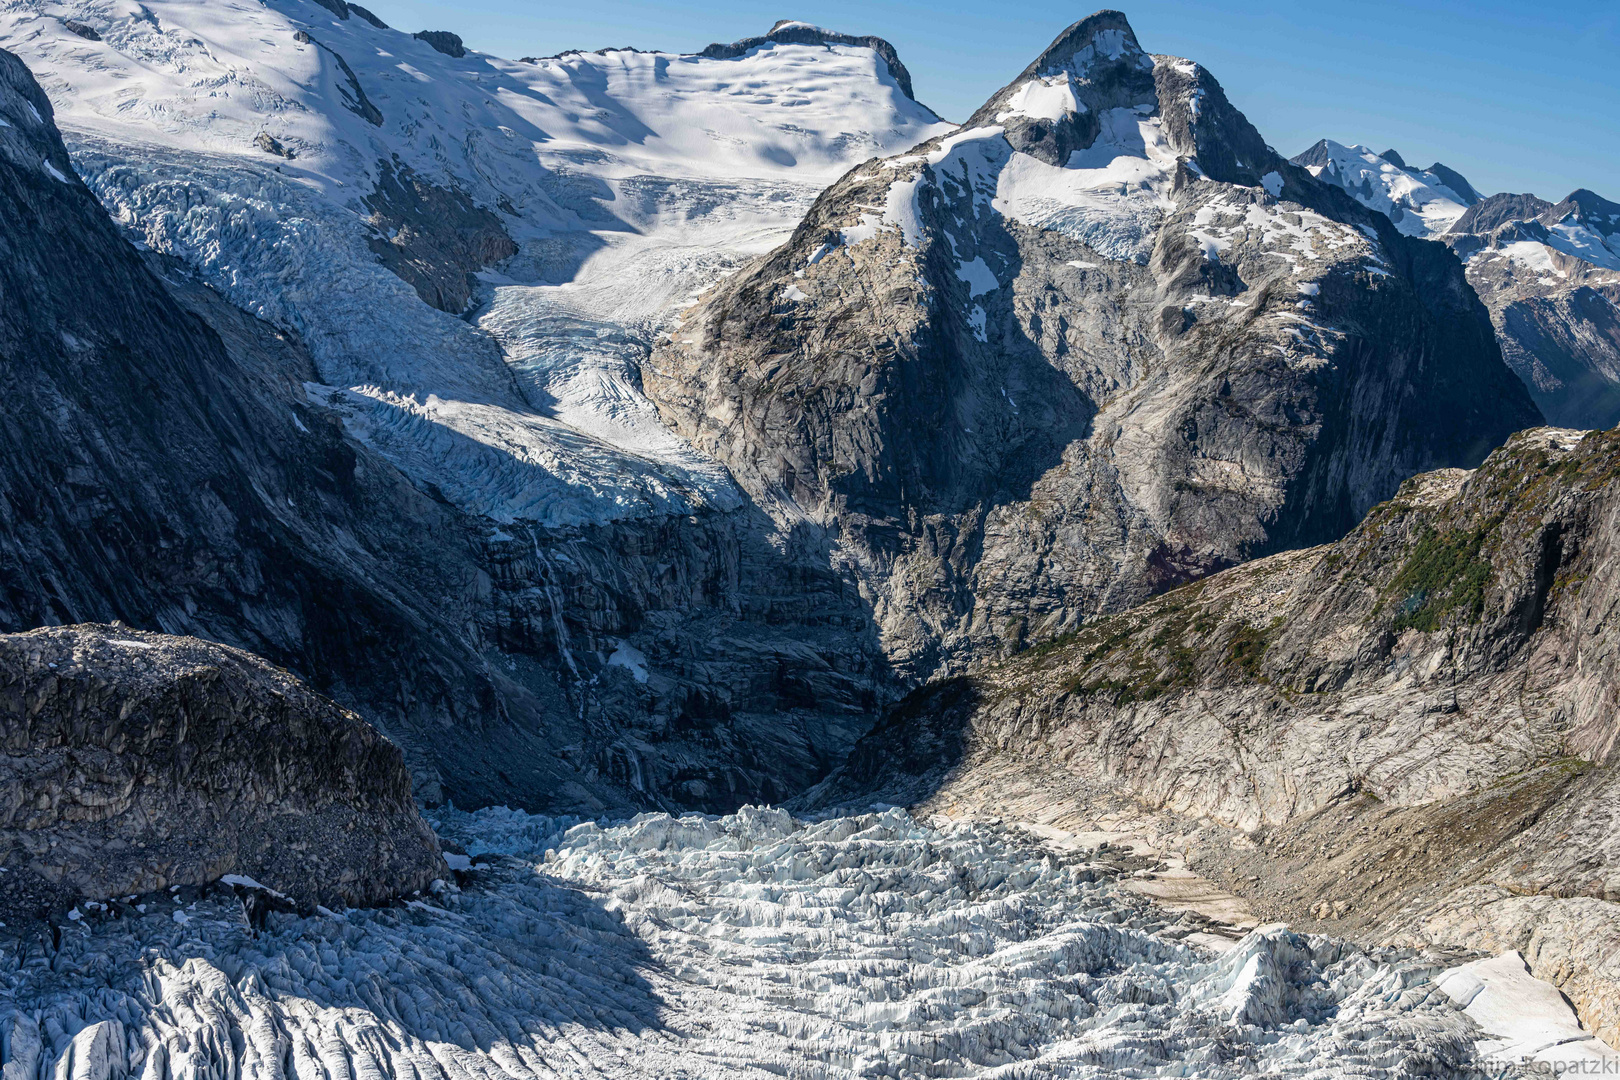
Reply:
x=1446, y=572
x=1248, y=648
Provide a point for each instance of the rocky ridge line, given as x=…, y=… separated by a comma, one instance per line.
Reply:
x=1099, y=342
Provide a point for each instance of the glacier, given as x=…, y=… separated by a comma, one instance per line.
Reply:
x=754, y=944
x=630, y=181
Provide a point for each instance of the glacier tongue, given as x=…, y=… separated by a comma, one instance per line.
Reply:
x=747, y=945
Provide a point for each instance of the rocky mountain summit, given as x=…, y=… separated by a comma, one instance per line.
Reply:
x=1408, y=734
x=1548, y=272
x=135, y=762
x=1098, y=341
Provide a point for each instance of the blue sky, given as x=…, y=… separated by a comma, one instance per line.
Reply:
x=1516, y=96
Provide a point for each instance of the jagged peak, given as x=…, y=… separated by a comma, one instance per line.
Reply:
x=1094, y=65
x=1104, y=37
x=795, y=32
x=1588, y=202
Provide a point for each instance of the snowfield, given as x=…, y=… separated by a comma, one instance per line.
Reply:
x=630, y=181
x=1418, y=202
x=750, y=945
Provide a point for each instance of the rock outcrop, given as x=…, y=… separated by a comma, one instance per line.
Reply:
x=433, y=237
x=132, y=762
x=1409, y=734
x=1098, y=342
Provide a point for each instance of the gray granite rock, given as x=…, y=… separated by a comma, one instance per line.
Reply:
x=1004, y=420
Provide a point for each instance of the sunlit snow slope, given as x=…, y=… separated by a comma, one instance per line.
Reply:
x=245, y=137
x=1419, y=202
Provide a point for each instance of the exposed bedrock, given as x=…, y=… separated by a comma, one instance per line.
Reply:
x=434, y=238
x=1409, y=734
x=132, y=762
x=1100, y=342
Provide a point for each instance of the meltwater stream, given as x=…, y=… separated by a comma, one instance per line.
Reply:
x=751, y=945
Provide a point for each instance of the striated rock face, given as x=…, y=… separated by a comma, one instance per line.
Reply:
x=132, y=762
x=1098, y=342
x=1409, y=734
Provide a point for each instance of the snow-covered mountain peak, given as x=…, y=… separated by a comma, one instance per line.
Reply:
x=1420, y=202
x=795, y=32
x=1096, y=48
x=1093, y=66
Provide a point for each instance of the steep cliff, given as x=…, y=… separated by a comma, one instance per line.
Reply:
x=1098, y=342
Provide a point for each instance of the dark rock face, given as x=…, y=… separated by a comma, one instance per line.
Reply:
x=272, y=145
x=368, y=16
x=708, y=667
x=131, y=762
x=84, y=30
x=1456, y=182
x=797, y=33
x=354, y=97
x=1430, y=701
x=1006, y=421
x=444, y=41
x=434, y=238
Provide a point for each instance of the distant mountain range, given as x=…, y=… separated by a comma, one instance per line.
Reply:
x=1548, y=272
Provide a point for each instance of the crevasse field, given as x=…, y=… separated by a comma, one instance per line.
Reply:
x=749, y=945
